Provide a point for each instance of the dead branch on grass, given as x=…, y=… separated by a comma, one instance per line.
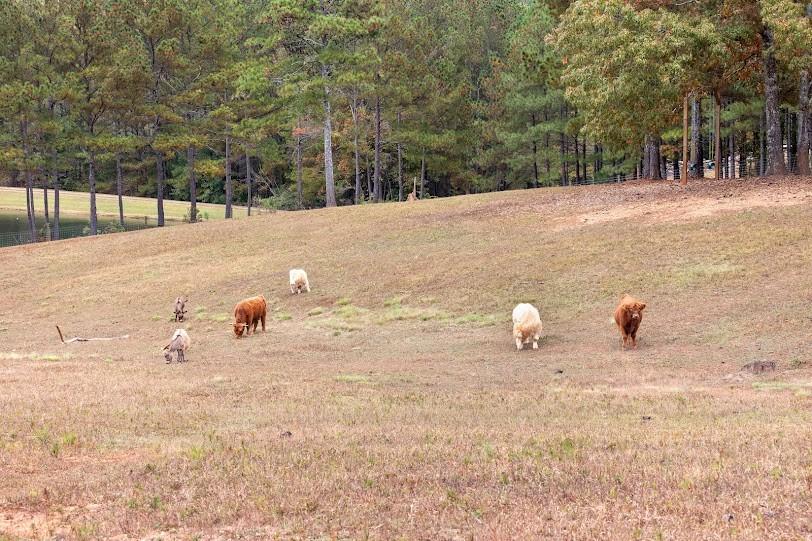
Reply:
x=80, y=339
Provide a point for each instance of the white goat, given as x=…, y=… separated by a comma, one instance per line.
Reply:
x=298, y=281
x=526, y=325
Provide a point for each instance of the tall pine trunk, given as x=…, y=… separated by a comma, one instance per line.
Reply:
x=685, y=123
x=229, y=186
x=422, y=173
x=717, y=136
x=299, y=186
x=697, y=154
x=161, y=180
x=45, y=202
x=803, y=125
x=91, y=181
x=29, y=184
x=120, y=190
x=248, y=179
x=400, y=164
x=329, y=181
x=762, y=141
x=731, y=150
x=376, y=182
x=191, y=155
x=535, y=154
x=775, y=163
x=55, y=231
x=356, y=152
x=656, y=159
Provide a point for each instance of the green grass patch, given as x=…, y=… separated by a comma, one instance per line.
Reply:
x=317, y=311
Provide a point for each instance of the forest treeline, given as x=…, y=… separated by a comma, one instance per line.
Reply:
x=307, y=103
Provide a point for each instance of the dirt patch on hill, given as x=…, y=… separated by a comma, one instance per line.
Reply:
x=713, y=198
x=648, y=201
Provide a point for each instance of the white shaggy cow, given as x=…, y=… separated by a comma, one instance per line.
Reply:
x=180, y=342
x=526, y=325
x=298, y=281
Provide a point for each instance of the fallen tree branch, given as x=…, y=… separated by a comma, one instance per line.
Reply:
x=80, y=339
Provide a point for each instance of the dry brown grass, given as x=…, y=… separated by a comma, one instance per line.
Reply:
x=390, y=402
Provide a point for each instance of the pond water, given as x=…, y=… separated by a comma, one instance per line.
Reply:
x=14, y=226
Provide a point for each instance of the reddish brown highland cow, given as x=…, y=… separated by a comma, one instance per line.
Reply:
x=248, y=313
x=628, y=315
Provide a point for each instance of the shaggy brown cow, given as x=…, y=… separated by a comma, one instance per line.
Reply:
x=248, y=313
x=628, y=315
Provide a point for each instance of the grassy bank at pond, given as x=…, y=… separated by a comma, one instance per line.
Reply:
x=391, y=403
x=107, y=205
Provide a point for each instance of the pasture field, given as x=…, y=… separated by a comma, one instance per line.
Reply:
x=107, y=205
x=390, y=403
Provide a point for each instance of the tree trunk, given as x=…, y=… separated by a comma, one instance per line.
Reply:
x=248, y=179
x=45, y=202
x=762, y=140
x=546, y=151
x=29, y=183
x=422, y=173
x=656, y=159
x=697, y=154
x=803, y=125
x=775, y=163
x=190, y=162
x=91, y=181
x=356, y=152
x=675, y=167
x=717, y=136
x=535, y=155
x=684, y=172
x=577, y=162
x=55, y=231
x=299, y=185
x=368, y=175
x=120, y=190
x=161, y=176
x=731, y=150
x=229, y=185
x=330, y=187
x=645, y=167
x=400, y=164
x=376, y=181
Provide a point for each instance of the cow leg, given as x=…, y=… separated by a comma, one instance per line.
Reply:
x=519, y=344
x=263, y=322
x=536, y=342
x=256, y=322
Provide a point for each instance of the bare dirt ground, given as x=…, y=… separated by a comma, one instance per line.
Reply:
x=390, y=402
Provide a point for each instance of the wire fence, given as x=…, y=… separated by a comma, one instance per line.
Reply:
x=46, y=232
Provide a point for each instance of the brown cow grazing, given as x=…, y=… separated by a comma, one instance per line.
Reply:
x=628, y=315
x=248, y=313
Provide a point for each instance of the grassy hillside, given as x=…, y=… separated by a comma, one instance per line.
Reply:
x=390, y=402
x=107, y=205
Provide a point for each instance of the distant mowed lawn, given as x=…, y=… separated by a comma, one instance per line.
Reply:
x=107, y=205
